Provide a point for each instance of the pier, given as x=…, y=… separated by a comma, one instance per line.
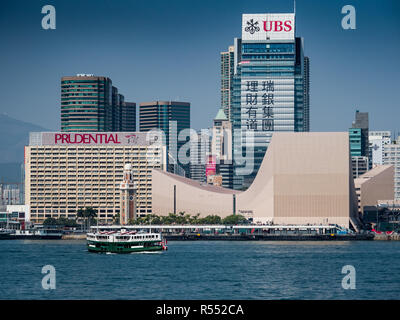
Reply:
x=248, y=232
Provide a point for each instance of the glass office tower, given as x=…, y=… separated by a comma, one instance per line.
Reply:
x=91, y=103
x=270, y=87
x=359, y=144
x=171, y=117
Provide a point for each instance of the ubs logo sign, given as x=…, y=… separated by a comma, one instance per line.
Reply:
x=278, y=26
x=269, y=26
x=252, y=26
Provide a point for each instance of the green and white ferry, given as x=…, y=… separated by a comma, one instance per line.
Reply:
x=124, y=241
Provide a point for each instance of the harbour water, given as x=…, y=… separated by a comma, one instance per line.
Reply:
x=203, y=270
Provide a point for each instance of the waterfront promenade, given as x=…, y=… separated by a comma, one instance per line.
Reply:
x=248, y=233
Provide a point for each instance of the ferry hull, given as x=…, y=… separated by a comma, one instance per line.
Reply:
x=104, y=247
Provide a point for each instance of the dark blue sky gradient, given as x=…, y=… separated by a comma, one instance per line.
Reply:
x=170, y=50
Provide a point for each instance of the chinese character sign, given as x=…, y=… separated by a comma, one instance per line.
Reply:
x=267, y=105
x=259, y=96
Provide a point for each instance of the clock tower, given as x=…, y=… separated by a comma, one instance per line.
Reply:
x=127, y=189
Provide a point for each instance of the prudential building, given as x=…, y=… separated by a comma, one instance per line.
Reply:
x=270, y=88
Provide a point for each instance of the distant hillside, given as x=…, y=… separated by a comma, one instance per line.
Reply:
x=14, y=135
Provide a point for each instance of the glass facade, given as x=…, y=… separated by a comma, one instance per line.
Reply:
x=169, y=116
x=270, y=94
x=90, y=104
x=355, y=141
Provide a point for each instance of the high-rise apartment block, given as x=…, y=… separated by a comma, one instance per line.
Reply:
x=91, y=104
x=391, y=155
x=377, y=142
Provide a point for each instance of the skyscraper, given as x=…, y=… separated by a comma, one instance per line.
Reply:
x=270, y=86
x=128, y=116
x=306, y=95
x=377, y=142
x=391, y=155
x=227, y=71
x=171, y=117
x=90, y=103
x=361, y=122
x=221, y=148
x=199, y=149
x=355, y=142
x=221, y=145
x=359, y=144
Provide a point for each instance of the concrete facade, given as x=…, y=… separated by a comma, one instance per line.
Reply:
x=376, y=184
x=73, y=172
x=304, y=178
x=191, y=196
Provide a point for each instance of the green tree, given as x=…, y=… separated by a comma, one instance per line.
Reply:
x=194, y=219
x=80, y=213
x=91, y=214
x=210, y=219
x=87, y=215
x=181, y=218
x=171, y=218
x=50, y=222
x=156, y=220
x=116, y=218
x=138, y=220
x=234, y=219
x=65, y=222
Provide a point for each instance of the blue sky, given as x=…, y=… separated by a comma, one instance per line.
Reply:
x=170, y=50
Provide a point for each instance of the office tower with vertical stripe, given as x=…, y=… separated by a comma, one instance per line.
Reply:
x=227, y=70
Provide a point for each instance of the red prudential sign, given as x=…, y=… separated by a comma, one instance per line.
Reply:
x=89, y=138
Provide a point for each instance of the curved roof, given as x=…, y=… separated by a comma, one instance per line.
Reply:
x=198, y=185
